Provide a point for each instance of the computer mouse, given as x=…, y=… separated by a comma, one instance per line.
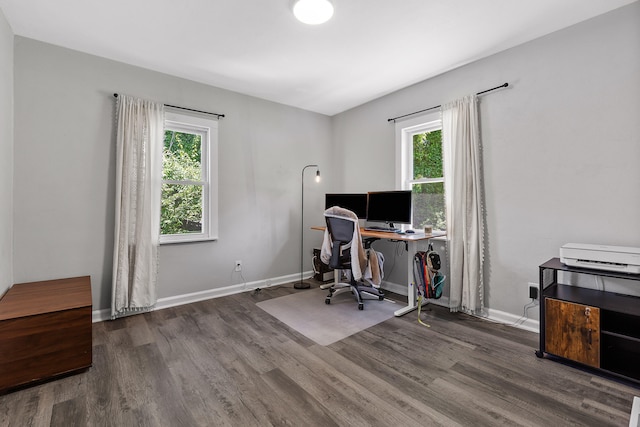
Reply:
x=409, y=231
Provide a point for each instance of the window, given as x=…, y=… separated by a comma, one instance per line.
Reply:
x=419, y=168
x=189, y=206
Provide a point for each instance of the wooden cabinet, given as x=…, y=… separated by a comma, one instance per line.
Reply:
x=573, y=331
x=45, y=331
x=592, y=327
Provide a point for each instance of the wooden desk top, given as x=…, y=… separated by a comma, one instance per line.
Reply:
x=417, y=236
x=28, y=299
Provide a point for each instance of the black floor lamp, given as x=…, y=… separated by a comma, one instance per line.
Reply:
x=302, y=284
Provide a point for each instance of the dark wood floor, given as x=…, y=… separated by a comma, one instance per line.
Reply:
x=225, y=362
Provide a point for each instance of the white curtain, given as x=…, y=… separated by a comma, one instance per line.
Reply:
x=463, y=189
x=139, y=142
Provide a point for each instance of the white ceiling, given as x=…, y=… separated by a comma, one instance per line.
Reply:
x=256, y=47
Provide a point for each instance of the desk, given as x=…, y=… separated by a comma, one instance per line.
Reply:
x=412, y=247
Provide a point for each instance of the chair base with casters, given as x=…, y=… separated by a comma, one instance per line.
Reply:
x=342, y=235
x=356, y=289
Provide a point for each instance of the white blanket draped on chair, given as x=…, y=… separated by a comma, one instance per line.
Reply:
x=139, y=141
x=463, y=188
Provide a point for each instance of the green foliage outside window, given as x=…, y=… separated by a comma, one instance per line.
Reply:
x=181, y=206
x=427, y=155
x=428, y=198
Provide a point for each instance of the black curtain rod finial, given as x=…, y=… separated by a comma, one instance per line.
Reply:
x=493, y=88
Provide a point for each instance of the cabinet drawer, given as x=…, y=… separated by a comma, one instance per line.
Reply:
x=38, y=347
x=572, y=331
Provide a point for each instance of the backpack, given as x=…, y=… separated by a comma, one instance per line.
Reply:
x=426, y=274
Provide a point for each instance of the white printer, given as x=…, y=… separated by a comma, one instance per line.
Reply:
x=601, y=257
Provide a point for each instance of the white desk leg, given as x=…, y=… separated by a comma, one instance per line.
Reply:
x=412, y=304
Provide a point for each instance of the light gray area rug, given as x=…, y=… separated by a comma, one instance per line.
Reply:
x=306, y=312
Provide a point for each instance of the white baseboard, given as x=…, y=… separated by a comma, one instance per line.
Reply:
x=100, y=315
x=493, y=315
x=402, y=290
x=173, y=301
x=516, y=321
x=394, y=287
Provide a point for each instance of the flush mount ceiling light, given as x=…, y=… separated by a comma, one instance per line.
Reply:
x=313, y=12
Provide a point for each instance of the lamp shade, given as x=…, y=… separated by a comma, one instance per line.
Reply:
x=313, y=12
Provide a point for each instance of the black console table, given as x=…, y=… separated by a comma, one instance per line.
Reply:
x=594, y=328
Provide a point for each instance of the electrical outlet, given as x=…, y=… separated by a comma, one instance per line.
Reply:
x=533, y=290
x=238, y=265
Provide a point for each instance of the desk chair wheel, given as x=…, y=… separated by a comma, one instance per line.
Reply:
x=360, y=306
x=327, y=301
x=380, y=297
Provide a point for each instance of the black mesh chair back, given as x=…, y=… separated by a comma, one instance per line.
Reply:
x=341, y=232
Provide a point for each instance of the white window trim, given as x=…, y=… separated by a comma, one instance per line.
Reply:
x=405, y=130
x=208, y=128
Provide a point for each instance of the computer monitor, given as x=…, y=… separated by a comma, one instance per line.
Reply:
x=357, y=203
x=390, y=207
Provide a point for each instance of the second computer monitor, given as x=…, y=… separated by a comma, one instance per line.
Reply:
x=389, y=207
x=357, y=203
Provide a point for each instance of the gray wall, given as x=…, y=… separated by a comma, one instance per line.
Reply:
x=6, y=155
x=561, y=145
x=64, y=174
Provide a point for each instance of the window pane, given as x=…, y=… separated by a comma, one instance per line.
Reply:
x=427, y=155
x=181, y=157
x=428, y=206
x=181, y=209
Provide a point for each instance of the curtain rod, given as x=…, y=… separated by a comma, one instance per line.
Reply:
x=438, y=106
x=188, y=109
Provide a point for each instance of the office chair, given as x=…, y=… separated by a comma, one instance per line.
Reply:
x=342, y=250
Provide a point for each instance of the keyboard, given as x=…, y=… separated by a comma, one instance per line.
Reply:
x=376, y=228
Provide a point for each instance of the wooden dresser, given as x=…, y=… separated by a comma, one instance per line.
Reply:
x=45, y=331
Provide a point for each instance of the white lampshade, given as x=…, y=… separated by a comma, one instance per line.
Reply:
x=313, y=12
